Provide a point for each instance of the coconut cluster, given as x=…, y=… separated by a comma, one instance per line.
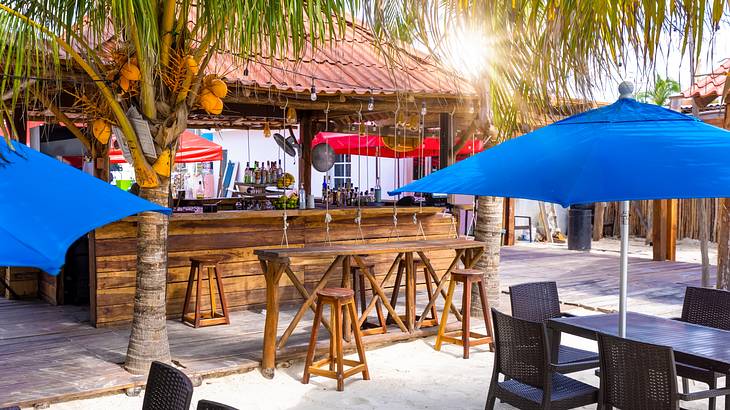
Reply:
x=212, y=93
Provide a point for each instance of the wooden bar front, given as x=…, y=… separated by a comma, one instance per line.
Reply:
x=235, y=235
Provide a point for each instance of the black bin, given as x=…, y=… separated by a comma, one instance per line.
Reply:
x=580, y=229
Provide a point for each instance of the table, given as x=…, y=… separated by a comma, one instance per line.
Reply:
x=276, y=262
x=696, y=345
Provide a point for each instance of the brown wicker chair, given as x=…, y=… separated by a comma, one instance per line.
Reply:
x=538, y=302
x=522, y=355
x=636, y=375
x=167, y=389
x=706, y=307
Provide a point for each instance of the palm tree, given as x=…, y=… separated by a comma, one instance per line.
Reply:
x=118, y=56
x=663, y=89
x=536, y=54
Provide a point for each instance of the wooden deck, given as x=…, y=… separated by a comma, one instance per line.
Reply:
x=591, y=280
x=51, y=353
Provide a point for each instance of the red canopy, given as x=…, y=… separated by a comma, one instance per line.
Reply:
x=192, y=149
x=373, y=145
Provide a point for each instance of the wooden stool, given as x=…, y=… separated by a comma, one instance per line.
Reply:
x=195, y=317
x=418, y=265
x=358, y=287
x=465, y=337
x=337, y=298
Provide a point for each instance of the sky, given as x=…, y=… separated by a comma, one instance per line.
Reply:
x=672, y=64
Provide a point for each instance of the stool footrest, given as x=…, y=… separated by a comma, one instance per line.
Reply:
x=475, y=339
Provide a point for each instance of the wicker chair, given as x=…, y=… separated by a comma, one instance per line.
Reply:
x=167, y=389
x=211, y=405
x=706, y=307
x=538, y=302
x=636, y=375
x=522, y=355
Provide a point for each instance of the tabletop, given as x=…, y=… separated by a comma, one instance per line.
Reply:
x=693, y=344
x=368, y=248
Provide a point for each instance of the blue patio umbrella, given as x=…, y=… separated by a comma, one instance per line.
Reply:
x=624, y=151
x=46, y=205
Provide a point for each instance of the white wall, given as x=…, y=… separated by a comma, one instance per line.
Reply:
x=527, y=207
x=239, y=143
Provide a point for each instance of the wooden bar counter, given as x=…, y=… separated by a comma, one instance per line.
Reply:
x=235, y=235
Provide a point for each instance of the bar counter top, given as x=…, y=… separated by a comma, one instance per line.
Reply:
x=293, y=213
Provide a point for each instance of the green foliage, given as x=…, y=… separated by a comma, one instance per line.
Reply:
x=663, y=89
x=545, y=52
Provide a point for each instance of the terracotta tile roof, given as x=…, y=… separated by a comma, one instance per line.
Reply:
x=351, y=65
x=710, y=85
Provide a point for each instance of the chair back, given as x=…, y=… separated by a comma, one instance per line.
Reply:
x=707, y=307
x=636, y=375
x=211, y=405
x=167, y=389
x=521, y=349
x=536, y=301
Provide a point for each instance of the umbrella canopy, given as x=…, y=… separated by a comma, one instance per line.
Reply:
x=374, y=145
x=47, y=205
x=621, y=152
x=192, y=149
x=624, y=151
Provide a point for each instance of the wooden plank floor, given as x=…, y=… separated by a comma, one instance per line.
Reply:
x=591, y=280
x=51, y=353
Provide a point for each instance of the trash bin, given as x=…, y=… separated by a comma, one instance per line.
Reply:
x=580, y=229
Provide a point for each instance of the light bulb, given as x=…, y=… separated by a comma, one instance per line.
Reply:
x=423, y=108
x=371, y=104
x=471, y=109
x=313, y=95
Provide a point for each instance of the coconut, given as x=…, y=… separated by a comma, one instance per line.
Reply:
x=210, y=103
x=101, y=130
x=218, y=87
x=124, y=83
x=130, y=72
x=192, y=64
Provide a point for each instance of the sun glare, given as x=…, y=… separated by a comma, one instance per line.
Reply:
x=468, y=50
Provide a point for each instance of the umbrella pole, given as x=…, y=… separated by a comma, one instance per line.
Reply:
x=623, y=281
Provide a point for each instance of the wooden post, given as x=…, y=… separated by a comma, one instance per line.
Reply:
x=508, y=222
x=598, y=209
x=659, y=229
x=672, y=216
x=306, y=134
x=446, y=138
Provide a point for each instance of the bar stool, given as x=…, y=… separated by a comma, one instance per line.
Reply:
x=337, y=298
x=358, y=287
x=194, y=317
x=465, y=337
x=418, y=265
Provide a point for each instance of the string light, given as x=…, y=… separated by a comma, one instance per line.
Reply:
x=371, y=101
x=471, y=108
x=423, y=108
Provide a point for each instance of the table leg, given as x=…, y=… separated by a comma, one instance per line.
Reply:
x=309, y=300
x=374, y=300
x=440, y=283
x=346, y=283
x=410, y=292
x=379, y=290
x=272, y=274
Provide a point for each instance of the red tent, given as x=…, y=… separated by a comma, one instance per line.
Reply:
x=373, y=145
x=192, y=149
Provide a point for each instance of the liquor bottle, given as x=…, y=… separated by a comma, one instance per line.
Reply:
x=302, y=197
x=199, y=192
x=325, y=194
x=273, y=173
x=256, y=173
x=281, y=171
x=378, y=191
x=247, y=174
x=264, y=173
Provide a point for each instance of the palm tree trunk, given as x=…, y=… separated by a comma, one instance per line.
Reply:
x=488, y=229
x=148, y=340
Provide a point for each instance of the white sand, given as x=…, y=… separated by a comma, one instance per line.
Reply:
x=408, y=375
